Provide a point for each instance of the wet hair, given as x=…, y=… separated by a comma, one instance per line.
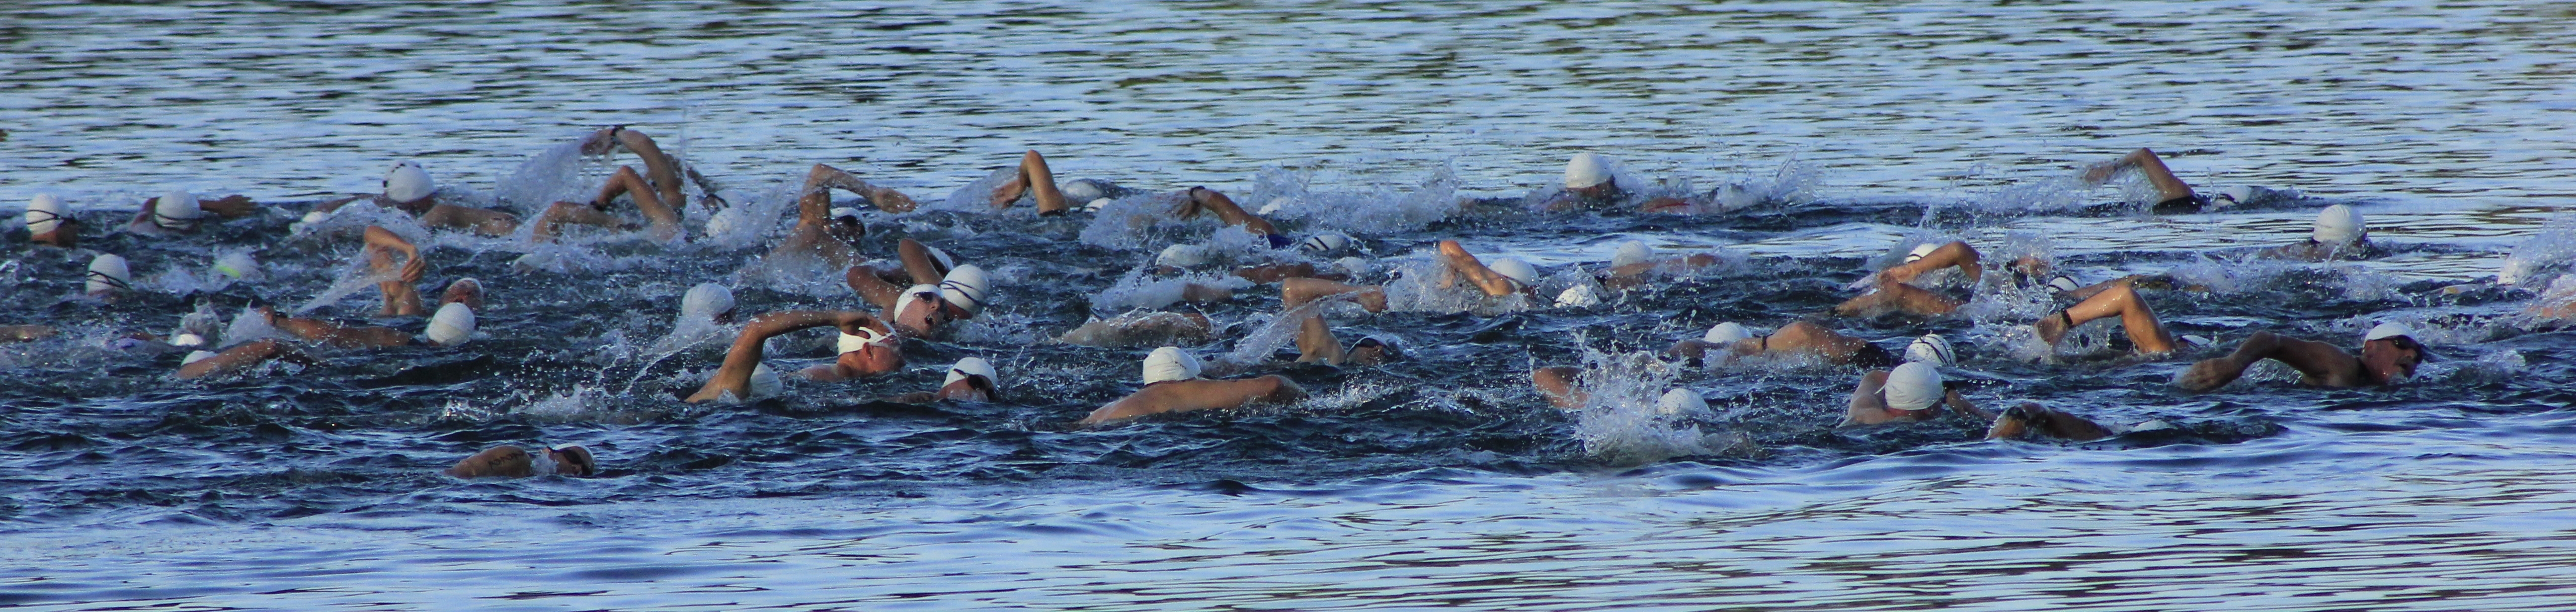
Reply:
x=1872, y=357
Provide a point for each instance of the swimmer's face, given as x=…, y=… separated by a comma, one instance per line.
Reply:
x=874, y=360
x=969, y=389
x=925, y=314
x=573, y=461
x=2391, y=359
x=469, y=294
x=1605, y=189
x=1369, y=351
x=725, y=317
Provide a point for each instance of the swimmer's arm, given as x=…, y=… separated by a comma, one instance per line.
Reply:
x=735, y=374
x=917, y=262
x=1315, y=342
x=1225, y=208
x=1961, y=405
x=1897, y=297
x=243, y=357
x=384, y=241
x=503, y=461
x=230, y=207
x=1193, y=395
x=659, y=167
x=486, y=222
x=1558, y=385
x=666, y=222
x=2167, y=185
x=1953, y=254
x=824, y=178
x=1866, y=408
x=334, y=205
x=1474, y=270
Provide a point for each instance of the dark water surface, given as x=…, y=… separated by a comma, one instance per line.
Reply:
x=1442, y=481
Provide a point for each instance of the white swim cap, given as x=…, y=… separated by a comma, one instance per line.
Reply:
x=945, y=262
x=1680, y=401
x=1170, y=363
x=965, y=288
x=971, y=366
x=845, y=211
x=407, y=182
x=764, y=383
x=2388, y=330
x=1515, y=269
x=187, y=340
x=2232, y=196
x=453, y=325
x=1920, y=251
x=1932, y=349
x=2515, y=269
x=911, y=295
x=1913, y=386
x=1081, y=190
x=1632, y=252
x=176, y=210
x=2061, y=283
x=1326, y=242
x=1182, y=256
x=1586, y=170
x=1726, y=333
x=2339, y=225
x=1096, y=204
x=706, y=301
x=317, y=216
x=107, y=272
x=861, y=340
x=44, y=213
x=196, y=356
x=237, y=264
x=1578, y=296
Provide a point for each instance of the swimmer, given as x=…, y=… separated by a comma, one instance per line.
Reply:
x=401, y=298
x=1505, y=277
x=49, y=222
x=1202, y=199
x=202, y=364
x=1142, y=328
x=971, y=380
x=452, y=325
x=27, y=333
x=1893, y=291
x=508, y=461
x=1635, y=263
x=108, y=277
x=1034, y=180
x=829, y=234
x=1909, y=393
x=2032, y=419
x=942, y=291
x=2389, y=353
x=734, y=378
x=1588, y=183
x=823, y=179
x=2121, y=300
x=873, y=351
x=1799, y=338
x=1172, y=384
x=408, y=188
x=2338, y=233
x=1558, y=385
x=661, y=171
x=662, y=217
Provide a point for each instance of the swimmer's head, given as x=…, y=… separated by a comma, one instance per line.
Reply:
x=2390, y=353
x=237, y=264
x=108, y=274
x=573, y=460
x=1632, y=252
x=187, y=340
x=870, y=352
x=1588, y=172
x=465, y=291
x=1579, y=296
x=1920, y=251
x=1082, y=190
x=1327, y=242
x=972, y=379
x=2339, y=225
x=452, y=325
x=407, y=183
x=764, y=383
x=1726, y=333
x=1913, y=386
x=964, y=290
x=1373, y=350
x=1170, y=363
x=707, y=301
x=919, y=310
x=176, y=210
x=1932, y=349
x=845, y=225
x=1681, y=402
x=1182, y=256
x=44, y=213
x=1519, y=271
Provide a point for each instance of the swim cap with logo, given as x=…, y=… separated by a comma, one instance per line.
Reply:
x=44, y=213
x=237, y=264
x=860, y=341
x=914, y=294
x=965, y=288
x=176, y=210
x=971, y=366
x=108, y=272
x=453, y=325
x=1632, y=252
x=1326, y=242
x=407, y=182
x=1932, y=349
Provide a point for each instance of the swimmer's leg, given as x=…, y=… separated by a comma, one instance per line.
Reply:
x=2119, y=301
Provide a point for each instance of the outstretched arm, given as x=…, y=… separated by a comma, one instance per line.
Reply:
x=735, y=374
x=825, y=178
x=1466, y=265
x=1953, y=254
x=243, y=357
x=2318, y=362
x=1189, y=395
x=1891, y=297
x=1294, y=292
x=2167, y=186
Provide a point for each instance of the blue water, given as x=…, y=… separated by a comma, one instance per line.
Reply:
x=1442, y=481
